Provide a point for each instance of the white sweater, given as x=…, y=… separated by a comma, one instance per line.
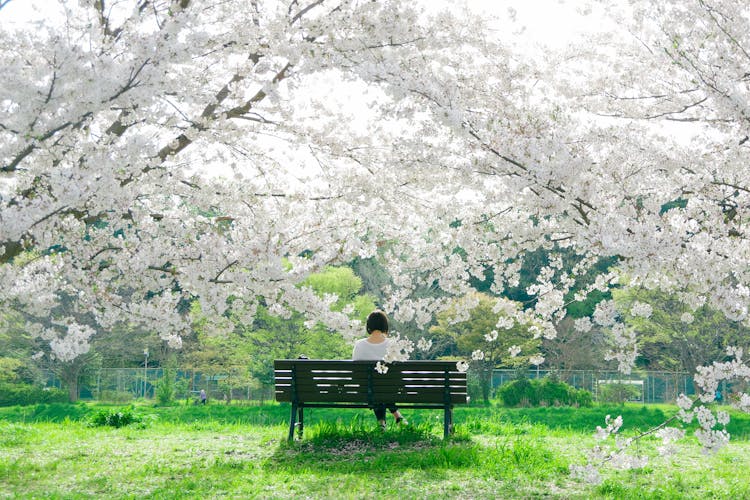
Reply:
x=367, y=351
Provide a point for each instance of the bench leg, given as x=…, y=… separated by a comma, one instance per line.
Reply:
x=301, y=420
x=292, y=421
x=447, y=422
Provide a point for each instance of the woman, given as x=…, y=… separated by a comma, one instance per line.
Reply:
x=374, y=348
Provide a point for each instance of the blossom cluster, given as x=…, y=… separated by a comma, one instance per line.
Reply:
x=708, y=435
x=616, y=455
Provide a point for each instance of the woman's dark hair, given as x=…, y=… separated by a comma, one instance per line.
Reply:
x=377, y=320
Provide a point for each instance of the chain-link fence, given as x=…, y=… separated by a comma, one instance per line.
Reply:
x=643, y=386
x=121, y=385
x=125, y=384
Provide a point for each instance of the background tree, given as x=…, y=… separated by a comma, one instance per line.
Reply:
x=673, y=338
x=17, y=349
x=478, y=332
x=247, y=349
x=573, y=349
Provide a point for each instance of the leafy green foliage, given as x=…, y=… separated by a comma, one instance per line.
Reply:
x=618, y=393
x=17, y=347
x=115, y=418
x=668, y=342
x=572, y=349
x=342, y=282
x=542, y=392
x=8, y=369
x=26, y=394
x=244, y=351
x=165, y=388
x=474, y=387
x=534, y=261
x=375, y=279
x=469, y=335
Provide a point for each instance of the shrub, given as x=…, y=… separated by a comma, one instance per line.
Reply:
x=165, y=390
x=519, y=392
x=542, y=392
x=182, y=388
x=165, y=387
x=114, y=418
x=583, y=397
x=618, y=393
x=25, y=394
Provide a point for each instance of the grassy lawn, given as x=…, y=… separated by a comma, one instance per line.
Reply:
x=222, y=451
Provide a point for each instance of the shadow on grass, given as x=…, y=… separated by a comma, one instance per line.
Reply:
x=355, y=448
x=359, y=447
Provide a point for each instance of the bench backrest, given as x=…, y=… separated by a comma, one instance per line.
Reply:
x=309, y=380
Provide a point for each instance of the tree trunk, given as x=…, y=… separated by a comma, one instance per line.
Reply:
x=72, y=385
x=485, y=379
x=69, y=374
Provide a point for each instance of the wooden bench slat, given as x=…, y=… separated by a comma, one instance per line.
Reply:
x=325, y=364
x=416, y=398
x=310, y=385
x=455, y=398
x=333, y=398
x=434, y=394
x=376, y=383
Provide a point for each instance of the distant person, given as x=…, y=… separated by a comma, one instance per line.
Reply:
x=203, y=396
x=373, y=348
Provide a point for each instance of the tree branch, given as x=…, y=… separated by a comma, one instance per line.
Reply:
x=13, y=165
x=304, y=11
x=710, y=10
x=216, y=279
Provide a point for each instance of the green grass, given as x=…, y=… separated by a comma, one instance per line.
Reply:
x=217, y=451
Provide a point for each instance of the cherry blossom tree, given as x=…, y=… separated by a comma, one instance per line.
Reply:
x=677, y=75
x=112, y=117
x=155, y=153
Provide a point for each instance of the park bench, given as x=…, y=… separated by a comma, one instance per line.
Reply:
x=310, y=383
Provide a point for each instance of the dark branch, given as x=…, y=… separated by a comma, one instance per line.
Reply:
x=304, y=11
x=216, y=279
x=132, y=80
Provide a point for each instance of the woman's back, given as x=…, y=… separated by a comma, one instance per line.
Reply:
x=364, y=350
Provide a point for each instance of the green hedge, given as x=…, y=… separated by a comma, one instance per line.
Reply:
x=24, y=394
x=542, y=392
